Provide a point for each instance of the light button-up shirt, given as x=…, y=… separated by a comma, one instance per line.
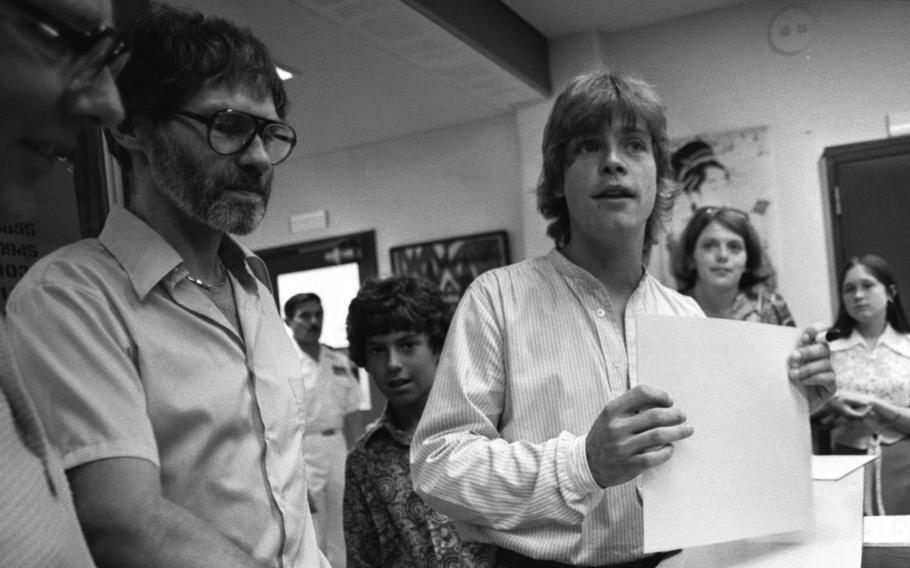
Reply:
x=144, y=365
x=533, y=354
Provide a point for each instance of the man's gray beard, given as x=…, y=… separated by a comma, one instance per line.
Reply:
x=174, y=172
x=236, y=219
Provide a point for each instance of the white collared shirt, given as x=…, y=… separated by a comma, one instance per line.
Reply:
x=143, y=364
x=882, y=370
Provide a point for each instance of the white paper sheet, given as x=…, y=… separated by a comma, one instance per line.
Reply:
x=888, y=530
x=835, y=542
x=746, y=472
x=835, y=467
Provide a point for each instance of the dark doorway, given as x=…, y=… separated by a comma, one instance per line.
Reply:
x=869, y=203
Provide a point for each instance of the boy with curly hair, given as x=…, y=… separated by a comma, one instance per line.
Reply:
x=396, y=328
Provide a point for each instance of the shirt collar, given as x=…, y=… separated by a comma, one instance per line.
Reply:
x=239, y=260
x=143, y=253
x=848, y=342
x=895, y=341
x=148, y=259
x=565, y=266
x=889, y=338
x=384, y=422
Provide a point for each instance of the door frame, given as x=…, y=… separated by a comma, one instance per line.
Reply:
x=354, y=247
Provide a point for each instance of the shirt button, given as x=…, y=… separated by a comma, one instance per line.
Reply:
x=600, y=312
x=269, y=436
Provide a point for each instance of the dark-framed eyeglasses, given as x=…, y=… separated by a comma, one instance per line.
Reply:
x=91, y=50
x=232, y=131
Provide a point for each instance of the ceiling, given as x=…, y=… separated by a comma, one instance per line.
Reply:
x=369, y=70
x=556, y=18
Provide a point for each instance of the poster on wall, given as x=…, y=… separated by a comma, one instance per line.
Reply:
x=452, y=263
x=731, y=168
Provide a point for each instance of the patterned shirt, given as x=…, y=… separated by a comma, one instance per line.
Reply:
x=386, y=524
x=759, y=304
x=533, y=355
x=882, y=370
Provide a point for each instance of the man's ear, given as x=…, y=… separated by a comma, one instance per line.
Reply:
x=127, y=136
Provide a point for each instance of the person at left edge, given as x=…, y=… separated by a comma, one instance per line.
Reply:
x=52, y=88
x=172, y=390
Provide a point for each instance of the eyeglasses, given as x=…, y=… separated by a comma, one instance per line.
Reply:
x=712, y=212
x=232, y=131
x=91, y=51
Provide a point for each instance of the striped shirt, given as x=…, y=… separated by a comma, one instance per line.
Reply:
x=533, y=355
x=38, y=526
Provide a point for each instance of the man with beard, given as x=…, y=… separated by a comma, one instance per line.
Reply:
x=333, y=399
x=172, y=391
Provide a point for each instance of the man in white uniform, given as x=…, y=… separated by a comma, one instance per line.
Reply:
x=332, y=401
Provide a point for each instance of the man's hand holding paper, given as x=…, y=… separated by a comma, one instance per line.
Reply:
x=635, y=431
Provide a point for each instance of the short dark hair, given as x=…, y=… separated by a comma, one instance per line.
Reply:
x=398, y=303
x=583, y=107
x=175, y=53
x=879, y=268
x=294, y=302
x=758, y=267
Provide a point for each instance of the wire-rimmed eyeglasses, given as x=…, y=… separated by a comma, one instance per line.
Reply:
x=231, y=131
x=91, y=51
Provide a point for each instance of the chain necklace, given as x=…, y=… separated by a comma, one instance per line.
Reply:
x=211, y=287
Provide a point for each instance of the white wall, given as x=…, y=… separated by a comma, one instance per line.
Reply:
x=717, y=71
x=434, y=185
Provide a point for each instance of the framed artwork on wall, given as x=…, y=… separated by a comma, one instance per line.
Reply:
x=452, y=263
